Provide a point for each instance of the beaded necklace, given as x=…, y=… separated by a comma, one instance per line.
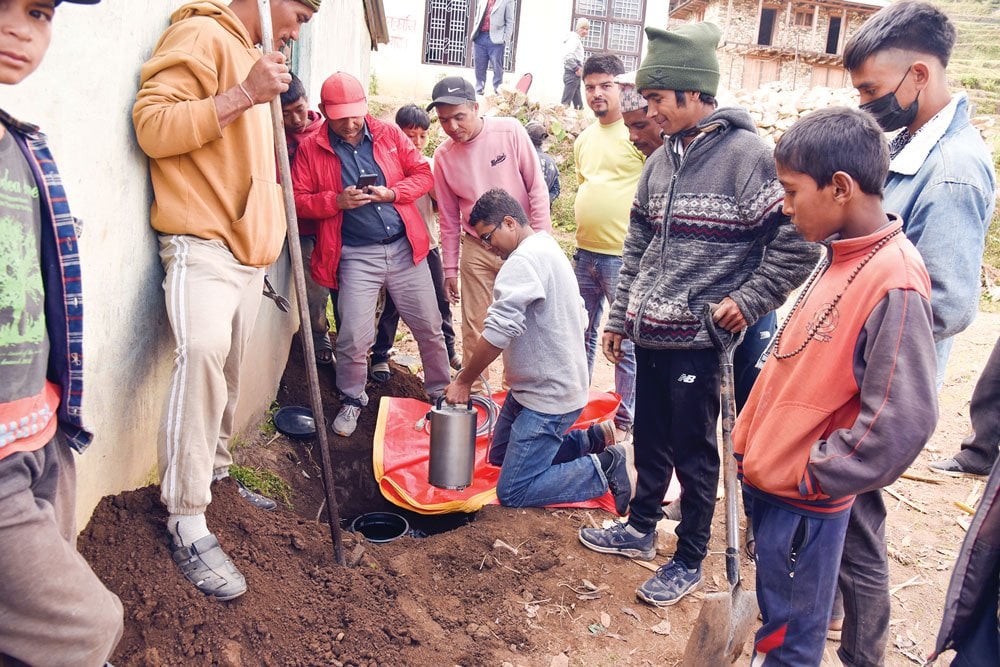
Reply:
x=813, y=328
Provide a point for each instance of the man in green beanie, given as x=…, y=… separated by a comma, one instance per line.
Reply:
x=202, y=116
x=706, y=228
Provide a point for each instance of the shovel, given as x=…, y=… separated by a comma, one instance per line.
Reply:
x=726, y=619
x=298, y=274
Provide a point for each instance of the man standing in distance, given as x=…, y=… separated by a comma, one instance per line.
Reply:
x=941, y=183
x=705, y=229
x=492, y=31
x=644, y=132
x=480, y=154
x=572, y=54
x=201, y=115
x=607, y=168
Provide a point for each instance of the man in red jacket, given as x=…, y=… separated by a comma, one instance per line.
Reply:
x=361, y=178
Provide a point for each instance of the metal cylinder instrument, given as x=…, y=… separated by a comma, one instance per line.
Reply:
x=453, y=445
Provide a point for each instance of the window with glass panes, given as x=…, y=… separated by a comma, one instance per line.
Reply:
x=615, y=27
x=446, y=28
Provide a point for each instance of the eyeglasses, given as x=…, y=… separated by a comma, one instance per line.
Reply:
x=485, y=238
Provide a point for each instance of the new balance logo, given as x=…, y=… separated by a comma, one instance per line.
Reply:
x=687, y=379
x=498, y=159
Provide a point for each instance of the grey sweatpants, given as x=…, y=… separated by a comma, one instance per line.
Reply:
x=212, y=303
x=53, y=608
x=362, y=273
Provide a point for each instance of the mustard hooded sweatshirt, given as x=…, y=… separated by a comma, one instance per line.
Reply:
x=209, y=182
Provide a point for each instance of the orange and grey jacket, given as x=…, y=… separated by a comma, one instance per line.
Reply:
x=209, y=182
x=855, y=406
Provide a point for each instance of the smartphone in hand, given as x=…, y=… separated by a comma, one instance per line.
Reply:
x=366, y=181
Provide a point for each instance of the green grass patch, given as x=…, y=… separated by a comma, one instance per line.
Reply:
x=264, y=482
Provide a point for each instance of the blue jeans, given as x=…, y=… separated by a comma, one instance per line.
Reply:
x=542, y=464
x=485, y=52
x=798, y=558
x=597, y=276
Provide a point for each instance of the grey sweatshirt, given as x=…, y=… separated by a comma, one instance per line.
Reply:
x=538, y=320
x=706, y=226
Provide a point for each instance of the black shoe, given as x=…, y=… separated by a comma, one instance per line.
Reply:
x=257, y=500
x=954, y=468
x=621, y=476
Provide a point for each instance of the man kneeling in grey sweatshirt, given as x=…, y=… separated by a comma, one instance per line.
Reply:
x=537, y=321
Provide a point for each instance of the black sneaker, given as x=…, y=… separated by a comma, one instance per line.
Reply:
x=621, y=476
x=617, y=540
x=670, y=583
x=954, y=468
x=257, y=500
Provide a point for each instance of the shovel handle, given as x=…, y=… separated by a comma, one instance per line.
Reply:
x=728, y=408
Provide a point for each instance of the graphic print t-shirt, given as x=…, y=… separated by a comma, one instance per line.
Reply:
x=27, y=400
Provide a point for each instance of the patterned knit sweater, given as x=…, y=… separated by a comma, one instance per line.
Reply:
x=704, y=226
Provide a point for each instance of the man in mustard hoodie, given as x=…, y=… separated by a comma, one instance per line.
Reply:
x=201, y=116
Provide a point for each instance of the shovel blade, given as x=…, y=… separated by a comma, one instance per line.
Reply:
x=709, y=638
x=724, y=626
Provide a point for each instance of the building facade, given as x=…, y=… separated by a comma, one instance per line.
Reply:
x=798, y=43
x=428, y=41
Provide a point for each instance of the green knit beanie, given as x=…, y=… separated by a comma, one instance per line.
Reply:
x=681, y=59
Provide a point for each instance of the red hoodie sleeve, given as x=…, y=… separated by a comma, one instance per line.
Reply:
x=313, y=199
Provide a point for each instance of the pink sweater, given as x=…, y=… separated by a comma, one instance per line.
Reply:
x=500, y=156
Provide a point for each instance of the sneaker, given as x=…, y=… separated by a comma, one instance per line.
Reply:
x=672, y=511
x=670, y=583
x=347, y=419
x=617, y=540
x=207, y=566
x=607, y=430
x=623, y=435
x=954, y=468
x=621, y=476
x=381, y=371
x=456, y=362
x=256, y=499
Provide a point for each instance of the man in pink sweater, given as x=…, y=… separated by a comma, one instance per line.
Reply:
x=480, y=154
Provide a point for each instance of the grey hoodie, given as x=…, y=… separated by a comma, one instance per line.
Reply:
x=724, y=236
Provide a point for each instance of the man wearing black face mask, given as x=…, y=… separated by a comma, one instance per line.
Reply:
x=941, y=183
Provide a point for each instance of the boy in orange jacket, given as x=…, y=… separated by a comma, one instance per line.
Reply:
x=846, y=399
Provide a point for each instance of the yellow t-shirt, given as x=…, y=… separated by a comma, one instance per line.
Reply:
x=607, y=168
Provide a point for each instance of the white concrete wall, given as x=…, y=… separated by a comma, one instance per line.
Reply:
x=82, y=97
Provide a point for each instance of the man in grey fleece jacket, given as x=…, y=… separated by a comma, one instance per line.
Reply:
x=706, y=228
x=537, y=321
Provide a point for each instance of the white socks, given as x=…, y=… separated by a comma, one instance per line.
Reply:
x=633, y=532
x=185, y=529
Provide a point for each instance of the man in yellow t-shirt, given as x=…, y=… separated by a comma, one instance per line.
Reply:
x=607, y=168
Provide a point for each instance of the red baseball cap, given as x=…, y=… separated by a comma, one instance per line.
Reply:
x=343, y=96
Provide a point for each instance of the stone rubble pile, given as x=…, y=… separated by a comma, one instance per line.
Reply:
x=774, y=108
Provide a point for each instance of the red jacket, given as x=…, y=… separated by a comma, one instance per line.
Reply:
x=317, y=182
x=292, y=140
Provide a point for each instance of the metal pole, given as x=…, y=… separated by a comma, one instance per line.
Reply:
x=298, y=273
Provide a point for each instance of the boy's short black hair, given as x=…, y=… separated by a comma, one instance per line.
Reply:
x=295, y=92
x=412, y=116
x=603, y=63
x=491, y=208
x=704, y=98
x=907, y=25
x=836, y=139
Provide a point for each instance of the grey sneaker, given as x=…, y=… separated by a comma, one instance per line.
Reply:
x=954, y=468
x=207, y=566
x=617, y=540
x=621, y=476
x=670, y=583
x=347, y=419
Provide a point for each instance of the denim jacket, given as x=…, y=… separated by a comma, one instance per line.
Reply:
x=61, y=275
x=943, y=186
